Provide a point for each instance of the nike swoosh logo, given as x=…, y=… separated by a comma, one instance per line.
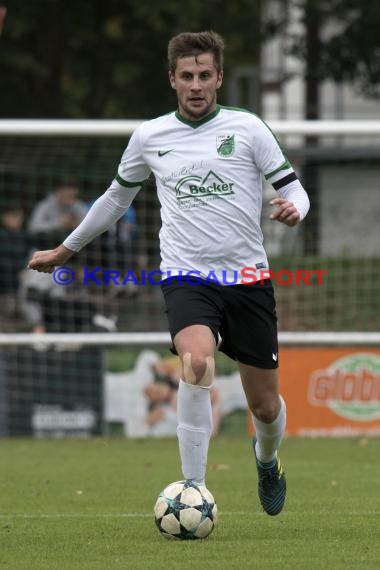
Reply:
x=163, y=152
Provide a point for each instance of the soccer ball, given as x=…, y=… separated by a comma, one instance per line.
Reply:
x=185, y=511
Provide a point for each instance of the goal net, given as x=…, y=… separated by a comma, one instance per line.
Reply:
x=326, y=272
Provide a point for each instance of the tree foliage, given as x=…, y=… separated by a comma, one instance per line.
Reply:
x=349, y=40
x=107, y=58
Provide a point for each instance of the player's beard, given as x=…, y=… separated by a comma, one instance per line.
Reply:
x=198, y=114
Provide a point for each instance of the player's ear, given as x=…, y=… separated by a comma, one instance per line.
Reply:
x=220, y=79
x=172, y=79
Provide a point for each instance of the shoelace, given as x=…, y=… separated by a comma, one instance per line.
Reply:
x=269, y=476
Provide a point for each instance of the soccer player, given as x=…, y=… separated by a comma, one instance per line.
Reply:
x=208, y=161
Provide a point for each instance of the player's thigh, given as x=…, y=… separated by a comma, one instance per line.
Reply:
x=190, y=306
x=196, y=339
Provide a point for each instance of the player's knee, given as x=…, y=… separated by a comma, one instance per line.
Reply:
x=198, y=369
x=266, y=410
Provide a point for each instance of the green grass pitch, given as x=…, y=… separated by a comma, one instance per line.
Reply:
x=77, y=505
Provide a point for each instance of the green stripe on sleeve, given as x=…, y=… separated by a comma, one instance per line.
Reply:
x=123, y=182
x=284, y=166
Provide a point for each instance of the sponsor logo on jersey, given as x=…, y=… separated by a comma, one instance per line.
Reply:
x=225, y=145
x=198, y=187
x=349, y=387
x=163, y=152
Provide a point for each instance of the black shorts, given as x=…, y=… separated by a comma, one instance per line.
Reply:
x=243, y=315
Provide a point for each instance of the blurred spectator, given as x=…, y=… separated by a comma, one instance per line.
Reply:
x=167, y=371
x=57, y=214
x=115, y=249
x=13, y=256
x=50, y=307
x=161, y=397
x=162, y=410
x=36, y=292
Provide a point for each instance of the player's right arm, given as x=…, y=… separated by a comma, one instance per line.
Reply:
x=106, y=211
x=46, y=261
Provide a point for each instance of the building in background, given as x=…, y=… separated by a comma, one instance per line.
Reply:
x=283, y=77
x=340, y=174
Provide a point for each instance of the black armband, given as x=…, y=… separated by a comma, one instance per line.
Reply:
x=284, y=181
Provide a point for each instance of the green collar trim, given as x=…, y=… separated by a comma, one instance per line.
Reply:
x=196, y=124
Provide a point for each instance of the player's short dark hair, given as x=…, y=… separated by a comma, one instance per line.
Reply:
x=193, y=44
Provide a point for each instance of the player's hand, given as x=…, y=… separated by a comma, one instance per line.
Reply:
x=46, y=261
x=286, y=212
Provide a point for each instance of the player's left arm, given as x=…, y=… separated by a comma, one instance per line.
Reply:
x=293, y=203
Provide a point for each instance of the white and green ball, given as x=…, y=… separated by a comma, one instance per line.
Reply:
x=185, y=511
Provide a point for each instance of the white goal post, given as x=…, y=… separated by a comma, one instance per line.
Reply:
x=163, y=338
x=115, y=127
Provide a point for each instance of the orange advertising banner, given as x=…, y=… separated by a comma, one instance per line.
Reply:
x=331, y=391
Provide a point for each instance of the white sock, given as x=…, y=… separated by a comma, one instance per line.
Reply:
x=194, y=429
x=269, y=436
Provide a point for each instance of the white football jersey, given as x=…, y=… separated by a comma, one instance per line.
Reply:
x=209, y=183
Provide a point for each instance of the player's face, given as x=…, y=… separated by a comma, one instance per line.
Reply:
x=196, y=80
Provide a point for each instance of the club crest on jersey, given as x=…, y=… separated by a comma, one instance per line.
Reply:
x=225, y=145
